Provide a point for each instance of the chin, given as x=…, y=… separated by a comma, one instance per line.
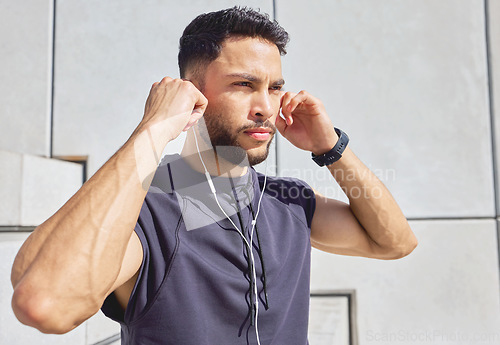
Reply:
x=258, y=155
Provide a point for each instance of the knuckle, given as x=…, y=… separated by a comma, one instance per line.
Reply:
x=185, y=83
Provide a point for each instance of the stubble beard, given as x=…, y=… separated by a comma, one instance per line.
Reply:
x=226, y=143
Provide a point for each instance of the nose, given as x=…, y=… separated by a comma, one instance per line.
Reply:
x=262, y=106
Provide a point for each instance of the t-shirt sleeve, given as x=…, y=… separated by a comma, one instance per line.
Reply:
x=111, y=307
x=156, y=227
x=307, y=199
x=293, y=192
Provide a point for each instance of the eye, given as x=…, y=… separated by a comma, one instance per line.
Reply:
x=276, y=88
x=243, y=83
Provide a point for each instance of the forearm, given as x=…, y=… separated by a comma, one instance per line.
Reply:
x=372, y=225
x=373, y=205
x=75, y=256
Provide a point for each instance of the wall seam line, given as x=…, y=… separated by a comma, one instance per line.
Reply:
x=491, y=109
x=276, y=140
x=21, y=192
x=449, y=218
x=51, y=143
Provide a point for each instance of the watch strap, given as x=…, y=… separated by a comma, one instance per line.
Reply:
x=335, y=153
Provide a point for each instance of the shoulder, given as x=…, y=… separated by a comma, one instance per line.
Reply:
x=287, y=189
x=294, y=194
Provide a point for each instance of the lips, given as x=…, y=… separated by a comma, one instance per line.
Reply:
x=260, y=134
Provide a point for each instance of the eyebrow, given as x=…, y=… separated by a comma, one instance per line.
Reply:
x=253, y=78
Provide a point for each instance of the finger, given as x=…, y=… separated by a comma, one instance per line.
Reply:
x=195, y=116
x=299, y=98
x=200, y=106
x=154, y=86
x=282, y=94
x=201, y=102
x=281, y=125
x=190, y=124
x=164, y=81
x=285, y=101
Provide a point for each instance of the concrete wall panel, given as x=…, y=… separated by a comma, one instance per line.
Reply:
x=12, y=332
x=47, y=185
x=407, y=80
x=494, y=60
x=26, y=44
x=32, y=188
x=447, y=287
x=10, y=183
x=108, y=55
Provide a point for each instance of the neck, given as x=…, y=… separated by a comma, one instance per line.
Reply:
x=215, y=164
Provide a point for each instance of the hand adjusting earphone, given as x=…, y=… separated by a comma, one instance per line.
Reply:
x=255, y=303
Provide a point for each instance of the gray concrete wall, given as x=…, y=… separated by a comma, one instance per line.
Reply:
x=415, y=84
x=107, y=56
x=409, y=81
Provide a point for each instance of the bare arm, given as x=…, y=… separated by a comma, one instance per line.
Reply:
x=71, y=262
x=372, y=225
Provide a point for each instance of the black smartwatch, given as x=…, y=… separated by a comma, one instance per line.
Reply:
x=334, y=154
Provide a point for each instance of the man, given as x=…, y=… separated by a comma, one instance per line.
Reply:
x=220, y=265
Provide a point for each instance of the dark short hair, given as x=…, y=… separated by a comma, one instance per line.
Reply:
x=201, y=41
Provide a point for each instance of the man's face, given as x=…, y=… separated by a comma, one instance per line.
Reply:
x=243, y=90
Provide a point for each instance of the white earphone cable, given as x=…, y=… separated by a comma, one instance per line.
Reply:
x=254, y=221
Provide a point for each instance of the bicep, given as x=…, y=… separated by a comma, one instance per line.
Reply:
x=131, y=264
x=335, y=229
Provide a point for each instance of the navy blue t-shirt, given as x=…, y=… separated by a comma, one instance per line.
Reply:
x=194, y=282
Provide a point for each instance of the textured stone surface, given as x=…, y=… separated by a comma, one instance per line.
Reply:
x=108, y=55
x=407, y=80
x=447, y=287
x=25, y=72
